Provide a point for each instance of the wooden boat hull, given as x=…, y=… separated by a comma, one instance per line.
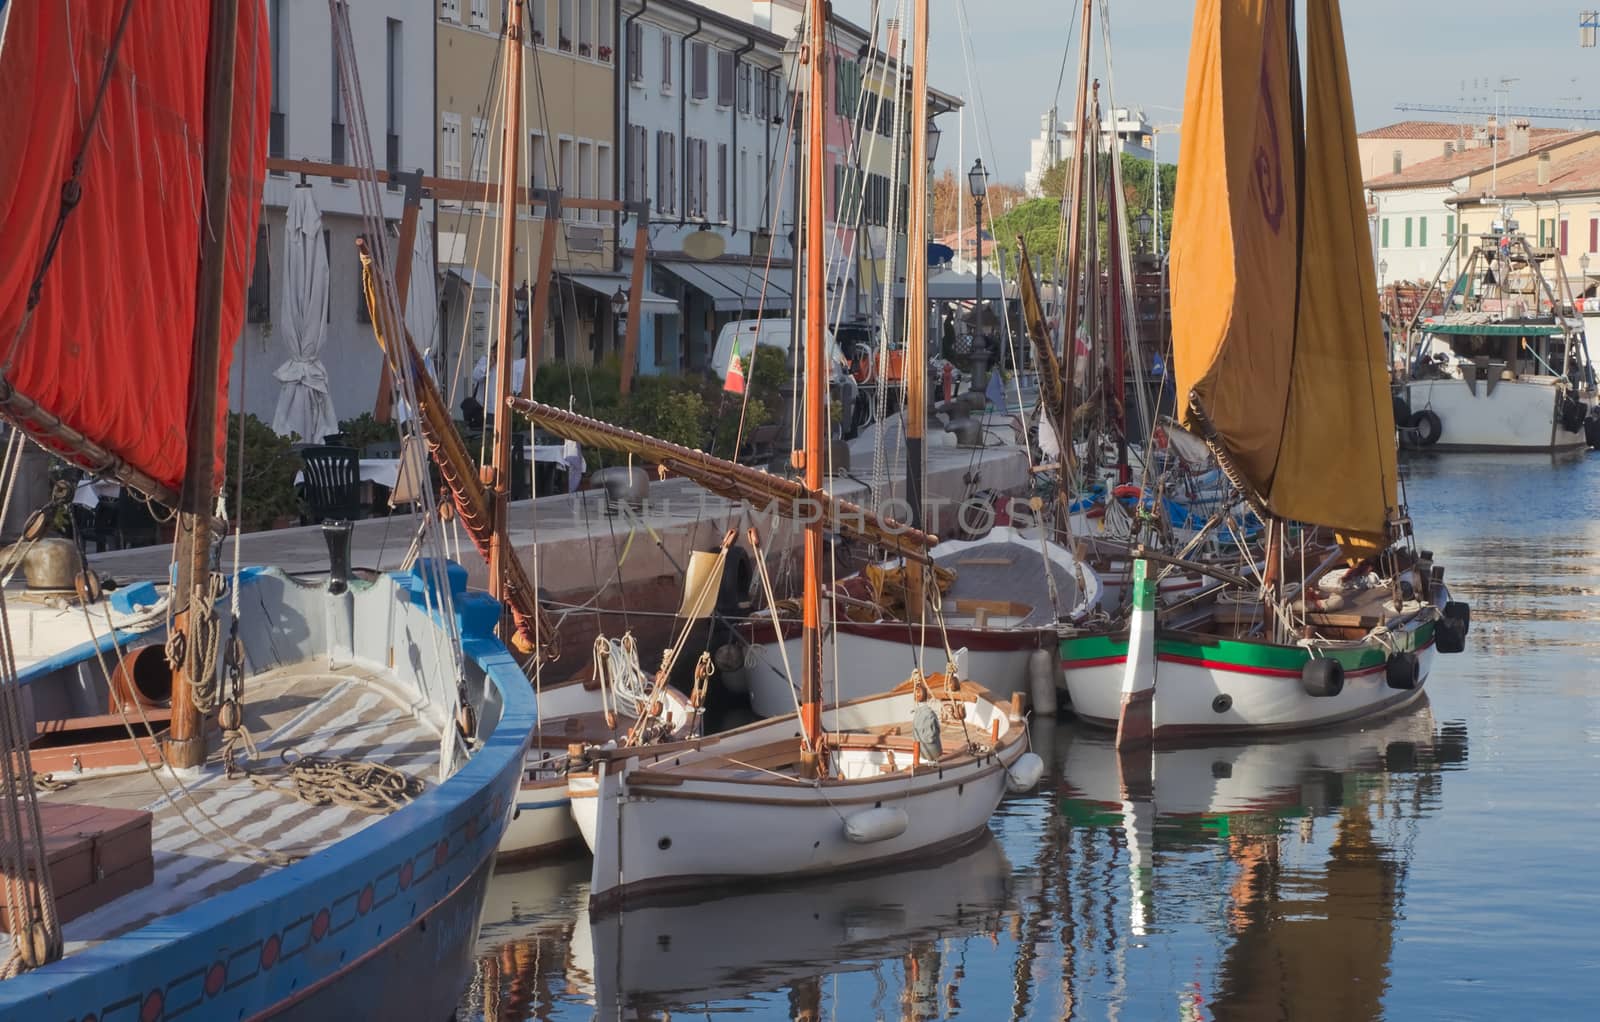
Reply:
x=328, y=935
x=1517, y=415
x=653, y=831
x=1208, y=686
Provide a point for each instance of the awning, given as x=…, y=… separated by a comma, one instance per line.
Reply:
x=606, y=285
x=470, y=277
x=950, y=286
x=733, y=287
x=1497, y=329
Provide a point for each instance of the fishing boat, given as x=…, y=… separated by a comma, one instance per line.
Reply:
x=914, y=771
x=318, y=811
x=1505, y=365
x=1285, y=379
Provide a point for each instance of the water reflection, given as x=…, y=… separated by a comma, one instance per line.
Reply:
x=1278, y=869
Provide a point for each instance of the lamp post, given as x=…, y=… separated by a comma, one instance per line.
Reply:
x=933, y=140
x=619, y=309
x=519, y=301
x=1142, y=225
x=1583, y=271
x=978, y=185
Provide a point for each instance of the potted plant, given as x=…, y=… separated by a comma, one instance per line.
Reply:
x=605, y=53
x=566, y=44
x=266, y=473
x=583, y=49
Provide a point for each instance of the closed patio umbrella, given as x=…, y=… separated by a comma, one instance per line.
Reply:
x=305, y=406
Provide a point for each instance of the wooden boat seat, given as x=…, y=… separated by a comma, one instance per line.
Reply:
x=579, y=728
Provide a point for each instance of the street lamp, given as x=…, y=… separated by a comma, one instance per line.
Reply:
x=519, y=296
x=619, y=308
x=978, y=185
x=933, y=140
x=1142, y=224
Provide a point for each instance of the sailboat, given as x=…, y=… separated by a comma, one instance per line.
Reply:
x=1281, y=369
x=211, y=872
x=913, y=771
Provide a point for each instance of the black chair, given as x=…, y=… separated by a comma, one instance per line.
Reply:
x=136, y=525
x=383, y=449
x=332, y=484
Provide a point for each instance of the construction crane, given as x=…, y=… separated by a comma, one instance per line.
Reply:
x=1545, y=112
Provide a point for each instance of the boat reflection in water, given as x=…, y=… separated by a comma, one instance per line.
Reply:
x=1310, y=841
x=776, y=950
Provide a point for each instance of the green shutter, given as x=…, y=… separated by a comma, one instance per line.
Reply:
x=1450, y=230
x=1408, y=232
x=1384, y=242
x=1422, y=232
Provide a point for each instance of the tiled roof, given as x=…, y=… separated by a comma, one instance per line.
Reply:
x=1441, y=169
x=1442, y=131
x=1578, y=174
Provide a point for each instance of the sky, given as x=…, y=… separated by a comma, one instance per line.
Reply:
x=1400, y=51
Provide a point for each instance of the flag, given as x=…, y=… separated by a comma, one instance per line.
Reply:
x=734, y=384
x=995, y=394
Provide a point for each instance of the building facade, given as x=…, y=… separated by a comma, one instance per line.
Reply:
x=1123, y=129
x=703, y=114
x=568, y=143
x=1417, y=213
x=394, y=55
x=1556, y=204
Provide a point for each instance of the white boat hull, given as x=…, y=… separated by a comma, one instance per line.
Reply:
x=654, y=831
x=1516, y=415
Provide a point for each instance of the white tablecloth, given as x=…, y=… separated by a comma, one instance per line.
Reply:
x=91, y=492
x=378, y=471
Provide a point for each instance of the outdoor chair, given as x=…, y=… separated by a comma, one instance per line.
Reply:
x=332, y=484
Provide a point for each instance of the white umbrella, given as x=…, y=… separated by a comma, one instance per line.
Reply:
x=305, y=406
x=422, y=308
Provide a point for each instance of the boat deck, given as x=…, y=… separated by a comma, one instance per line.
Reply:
x=777, y=758
x=1005, y=581
x=307, y=709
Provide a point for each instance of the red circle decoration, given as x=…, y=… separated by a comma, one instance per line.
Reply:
x=269, y=951
x=441, y=853
x=319, y=925
x=215, y=977
x=364, y=903
x=151, y=1010
x=405, y=875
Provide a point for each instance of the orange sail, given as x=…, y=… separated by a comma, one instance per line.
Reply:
x=1276, y=336
x=102, y=359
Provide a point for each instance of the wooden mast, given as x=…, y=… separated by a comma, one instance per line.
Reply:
x=1069, y=307
x=917, y=303
x=815, y=442
x=186, y=745
x=510, y=149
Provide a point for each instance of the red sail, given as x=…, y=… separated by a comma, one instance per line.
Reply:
x=107, y=350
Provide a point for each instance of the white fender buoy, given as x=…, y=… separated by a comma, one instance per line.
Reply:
x=878, y=824
x=1024, y=774
x=1042, y=681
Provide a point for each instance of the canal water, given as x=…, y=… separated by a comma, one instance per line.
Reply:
x=1440, y=864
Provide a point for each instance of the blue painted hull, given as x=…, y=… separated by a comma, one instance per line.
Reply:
x=379, y=925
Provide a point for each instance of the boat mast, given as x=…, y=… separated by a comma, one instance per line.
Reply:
x=510, y=149
x=186, y=746
x=916, y=361
x=814, y=448
x=1069, y=307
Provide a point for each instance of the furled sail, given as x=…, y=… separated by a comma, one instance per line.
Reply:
x=1277, y=343
x=96, y=332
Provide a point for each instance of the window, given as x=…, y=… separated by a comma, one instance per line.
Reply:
x=1450, y=230
x=666, y=62
x=1541, y=234
x=258, y=302
x=1594, y=234
x=745, y=71
x=699, y=71
x=538, y=161
x=886, y=117
x=586, y=28
x=742, y=188
x=450, y=144
x=847, y=86
x=392, y=81
x=564, y=25
x=480, y=13
x=603, y=186
x=1563, y=237
x=722, y=182
x=336, y=150
x=480, y=149
x=638, y=163
x=585, y=188
x=775, y=100
x=277, y=126
x=1408, y=232
x=540, y=22
x=846, y=194
x=695, y=174
x=450, y=10
x=605, y=30
x=566, y=171
x=1422, y=232
x=1383, y=241
x=666, y=171
x=636, y=52
x=725, y=62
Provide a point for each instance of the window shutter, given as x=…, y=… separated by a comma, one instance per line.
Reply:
x=1450, y=230
x=1563, y=237
x=1408, y=232
x=1422, y=232
x=1384, y=240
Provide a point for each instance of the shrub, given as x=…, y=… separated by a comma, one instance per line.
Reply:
x=268, y=471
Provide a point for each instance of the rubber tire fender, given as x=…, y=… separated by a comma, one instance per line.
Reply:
x=1322, y=677
x=1450, y=635
x=1402, y=411
x=1402, y=671
x=1428, y=427
x=1461, y=611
